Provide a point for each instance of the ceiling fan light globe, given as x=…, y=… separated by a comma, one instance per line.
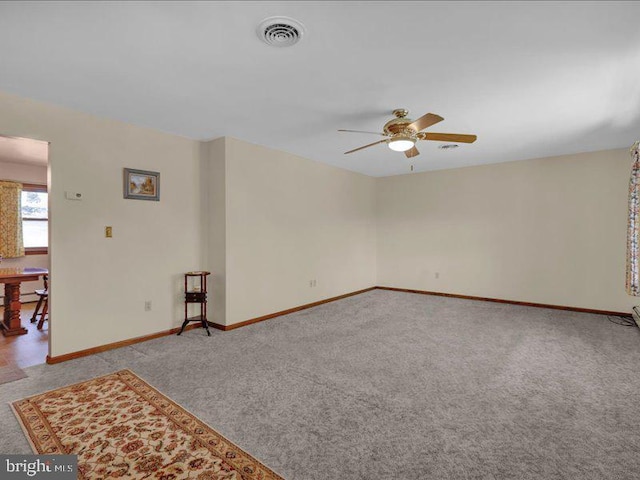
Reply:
x=401, y=144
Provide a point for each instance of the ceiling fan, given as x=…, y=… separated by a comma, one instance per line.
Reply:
x=402, y=133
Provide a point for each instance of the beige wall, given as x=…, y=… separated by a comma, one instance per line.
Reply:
x=291, y=220
x=214, y=212
x=21, y=172
x=549, y=230
x=104, y=282
x=266, y=222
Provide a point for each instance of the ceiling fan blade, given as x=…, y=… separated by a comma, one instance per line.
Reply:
x=360, y=131
x=366, y=146
x=448, y=137
x=412, y=152
x=425, y=121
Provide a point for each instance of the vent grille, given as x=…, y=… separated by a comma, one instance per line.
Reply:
x=448, y=146
x=280, y=31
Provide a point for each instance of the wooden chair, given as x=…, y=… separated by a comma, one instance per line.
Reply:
x=43, y=303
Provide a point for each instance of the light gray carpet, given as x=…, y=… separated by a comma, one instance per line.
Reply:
x=10, y=372
x=390, y=385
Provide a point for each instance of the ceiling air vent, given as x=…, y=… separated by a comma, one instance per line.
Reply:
x=280, y=31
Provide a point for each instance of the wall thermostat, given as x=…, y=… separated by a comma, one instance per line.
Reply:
x=73, y=195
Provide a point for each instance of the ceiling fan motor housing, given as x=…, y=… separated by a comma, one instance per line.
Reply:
x=400, y=124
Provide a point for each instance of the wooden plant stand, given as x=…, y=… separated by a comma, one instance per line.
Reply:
x=197, y=294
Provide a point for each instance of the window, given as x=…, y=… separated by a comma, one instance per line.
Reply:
x=35, y=219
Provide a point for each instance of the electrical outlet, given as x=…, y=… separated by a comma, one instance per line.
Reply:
x=108, y=232
x=310, y=283
x=147, y=305
x=437, y=275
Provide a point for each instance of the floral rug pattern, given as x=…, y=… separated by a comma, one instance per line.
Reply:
x=121, y=427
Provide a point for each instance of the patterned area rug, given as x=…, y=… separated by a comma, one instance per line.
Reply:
x=119, y=426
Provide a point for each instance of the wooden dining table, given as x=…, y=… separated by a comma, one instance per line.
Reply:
x=12, y=278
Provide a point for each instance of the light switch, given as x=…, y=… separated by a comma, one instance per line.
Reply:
x=108, y=232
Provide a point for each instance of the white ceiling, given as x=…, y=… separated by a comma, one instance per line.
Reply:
x=531, y=79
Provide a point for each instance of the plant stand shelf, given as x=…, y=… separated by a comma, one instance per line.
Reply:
x=195, y=293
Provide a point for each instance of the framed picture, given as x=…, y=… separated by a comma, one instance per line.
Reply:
x=141, y=184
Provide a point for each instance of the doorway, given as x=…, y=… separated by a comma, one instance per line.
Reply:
x=25, y=162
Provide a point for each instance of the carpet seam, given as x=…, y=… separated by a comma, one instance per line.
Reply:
x=67, y=386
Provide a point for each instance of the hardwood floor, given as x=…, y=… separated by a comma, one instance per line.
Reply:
x=29, y=349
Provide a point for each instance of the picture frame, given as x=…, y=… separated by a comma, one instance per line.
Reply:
x=141, y=184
